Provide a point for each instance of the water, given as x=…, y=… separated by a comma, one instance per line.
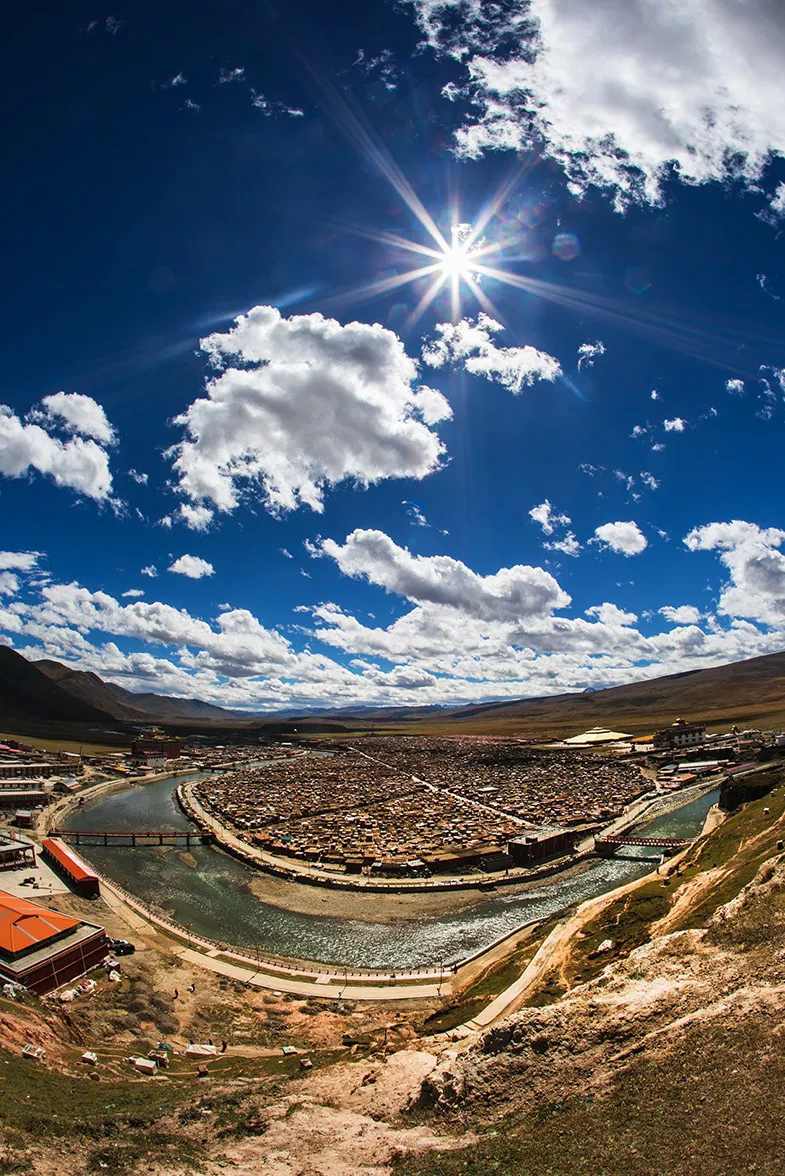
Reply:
x=216, y=900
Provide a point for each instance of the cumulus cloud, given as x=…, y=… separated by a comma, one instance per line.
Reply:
x=301, y=404
x=511, y=593
x=78, y=464
x=682, y=614
x=134, y=593
x=464, y=637
x=141, y=479
x=469, y=344
x=192, y=566
x=198, y=518
x=675, y=425
x=544, y=515
x=151, y=570
x=80, y=414
x=624, y=538
x=621, y=92
x=756, y=587
x=611, y=614
x=735, y=387
x=588, y=353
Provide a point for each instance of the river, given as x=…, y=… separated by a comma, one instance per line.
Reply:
x=214, y=896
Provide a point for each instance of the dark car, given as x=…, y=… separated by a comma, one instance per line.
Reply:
x=121, y=947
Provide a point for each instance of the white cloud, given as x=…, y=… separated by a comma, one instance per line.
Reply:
x=588, y=352
x=777, y=202
x=142, y=479
x=309, y=403
x=639, y=431
x=80, y=465
x=9, y=584
x=192, y=566
x=544, y=515
x=464, y=637
x=80, y=414
x=19, y=561
x=288, y=554
x=624, y=538
x=735, y=387
x=649, y=480
x=469, y=344
x=621, y=91
x=657, y=447
x=682, y=614
x=757, y=568
x=416, y=514
x=151, y=570
x=510, y=594
x=198, y=518
x=655, y=394
x=134, y=593
x=569, y=545
x=676, y=425
x=611, y=614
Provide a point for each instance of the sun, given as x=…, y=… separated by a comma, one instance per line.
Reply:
x=456, y=258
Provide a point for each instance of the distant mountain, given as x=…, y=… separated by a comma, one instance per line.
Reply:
x=749, y=692
x=128, y=706
x=26, y=693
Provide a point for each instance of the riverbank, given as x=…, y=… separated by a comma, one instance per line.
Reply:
x=388, y=907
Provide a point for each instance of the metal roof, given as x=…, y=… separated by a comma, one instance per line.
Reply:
x=24, y=924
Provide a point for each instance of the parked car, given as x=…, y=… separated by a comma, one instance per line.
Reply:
x=121, y=947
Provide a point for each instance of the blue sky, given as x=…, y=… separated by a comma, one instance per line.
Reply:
x=392, y=354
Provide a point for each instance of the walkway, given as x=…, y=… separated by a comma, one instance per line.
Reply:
x=327, y=985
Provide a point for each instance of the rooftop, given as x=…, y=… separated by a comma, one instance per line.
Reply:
x=24, y=924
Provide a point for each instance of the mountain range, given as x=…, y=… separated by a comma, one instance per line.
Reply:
x=749, y=693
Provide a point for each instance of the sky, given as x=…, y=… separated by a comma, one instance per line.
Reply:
x=400, y=354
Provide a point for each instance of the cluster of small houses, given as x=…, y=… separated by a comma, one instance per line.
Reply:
x=424, y=805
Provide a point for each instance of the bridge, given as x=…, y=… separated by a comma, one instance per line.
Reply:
x=134, y=837
x=607, y=846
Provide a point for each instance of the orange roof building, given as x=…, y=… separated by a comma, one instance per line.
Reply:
x=43, y=949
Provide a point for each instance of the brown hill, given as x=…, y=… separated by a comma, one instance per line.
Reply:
x=749, y=692
x=27, y=694
x=126, y=705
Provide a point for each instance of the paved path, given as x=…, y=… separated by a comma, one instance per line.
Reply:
x=331, y=991
x=331, y=986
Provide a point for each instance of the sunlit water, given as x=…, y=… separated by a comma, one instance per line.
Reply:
x=216, y=900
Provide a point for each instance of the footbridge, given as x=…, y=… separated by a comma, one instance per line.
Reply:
x=134, y=837
x=607, y=846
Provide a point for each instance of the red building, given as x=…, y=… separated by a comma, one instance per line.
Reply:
x=43, y=949
x=67, y=863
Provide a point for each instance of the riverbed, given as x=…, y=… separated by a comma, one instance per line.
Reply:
x=213, y=893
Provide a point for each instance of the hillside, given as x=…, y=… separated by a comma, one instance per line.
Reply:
x=27, y=694
x=126, y=705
